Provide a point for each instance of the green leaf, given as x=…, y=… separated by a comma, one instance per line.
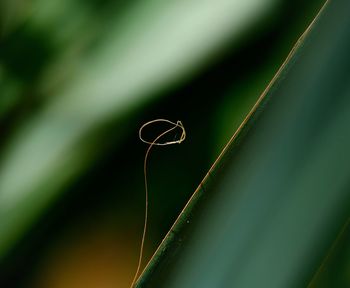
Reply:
x=278, y=195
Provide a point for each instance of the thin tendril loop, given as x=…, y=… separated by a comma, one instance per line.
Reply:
x=154, y=142
x=178, y=124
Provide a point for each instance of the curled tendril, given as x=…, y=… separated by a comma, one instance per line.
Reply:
x=175, y=125
x=155, y=142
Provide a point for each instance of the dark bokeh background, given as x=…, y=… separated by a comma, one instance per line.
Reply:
x=87, y=234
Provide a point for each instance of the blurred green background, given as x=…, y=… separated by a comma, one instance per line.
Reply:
x=77, y=80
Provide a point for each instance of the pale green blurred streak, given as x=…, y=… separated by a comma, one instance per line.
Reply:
x=154, y=44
